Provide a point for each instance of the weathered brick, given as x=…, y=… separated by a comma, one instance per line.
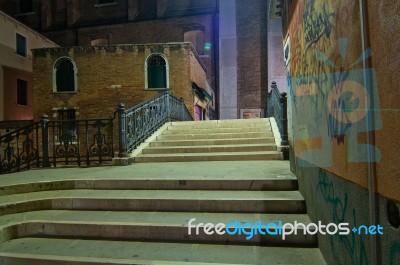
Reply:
x=101, y=67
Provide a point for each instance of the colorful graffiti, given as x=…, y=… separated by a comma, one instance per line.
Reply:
x=352, y=244
x=334, y=107
x=316, y=24
x=331, y=99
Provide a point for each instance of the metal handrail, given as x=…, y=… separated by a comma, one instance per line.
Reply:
x=19, y=149
x=58, y=142
x=277, y=108
x=136, y=124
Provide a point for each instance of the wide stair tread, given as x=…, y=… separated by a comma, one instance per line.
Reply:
x=150, y=226
x=55, y=251
x=227, y=140
x=210, y=156
x=209, y=148
x=157, y=200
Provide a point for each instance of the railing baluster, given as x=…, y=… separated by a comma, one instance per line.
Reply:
x=45, y=140
x=55, y=138
x=284, y=121
x=87, y=143
x=122, y=130
x=37, y=145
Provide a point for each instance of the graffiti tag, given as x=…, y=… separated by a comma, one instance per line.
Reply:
x=316, y=24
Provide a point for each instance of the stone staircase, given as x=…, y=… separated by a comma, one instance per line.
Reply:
x=140, y=214
x=220, y=140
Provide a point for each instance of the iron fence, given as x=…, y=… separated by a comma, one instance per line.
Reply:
x=80, y=142
x=55, y=143
x=52, y=143
x=19, y=149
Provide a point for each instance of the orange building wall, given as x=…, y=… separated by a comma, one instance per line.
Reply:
x=325, y=67
x=13, y=111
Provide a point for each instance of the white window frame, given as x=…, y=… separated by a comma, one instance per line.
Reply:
x=146, y=81
x=26, y=45
x=55, y=75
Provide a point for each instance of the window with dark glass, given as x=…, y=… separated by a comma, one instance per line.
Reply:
x=67, y=125
x=65, y=76
x=156, y=72
x=22, y=92
x=21, y=45
x=25, y=6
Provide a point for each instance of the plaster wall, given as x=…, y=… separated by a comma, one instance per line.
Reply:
x=13, y=66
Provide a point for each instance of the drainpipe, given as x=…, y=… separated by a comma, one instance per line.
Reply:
x=370, y=123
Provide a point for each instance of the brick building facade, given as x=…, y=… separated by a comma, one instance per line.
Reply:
x=237, y=65
x=104, y=76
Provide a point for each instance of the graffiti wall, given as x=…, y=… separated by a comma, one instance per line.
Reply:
x=344, y=111
x=336, y=84
x=331, y=199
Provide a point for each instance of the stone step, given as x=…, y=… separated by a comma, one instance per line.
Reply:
x=172, y=130
x=227, y=121
x=156, y=200
x=209, y=149
x=54, y=251
x=272, y=182
x=217, y=156
x=155, y=226
x=90, y=177
x=203, y=142
x=147, y=175
x=215, y=136
x=201, y=125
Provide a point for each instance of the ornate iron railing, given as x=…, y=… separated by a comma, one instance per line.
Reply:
x=86, y=142
x=19, y=149
x=54, y=143
x=80, y=142
x=139, y=122
x=277, y=108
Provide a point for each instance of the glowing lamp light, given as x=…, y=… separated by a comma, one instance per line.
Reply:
x=207, y=46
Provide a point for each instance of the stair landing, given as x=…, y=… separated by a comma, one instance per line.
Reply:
x=220, y=140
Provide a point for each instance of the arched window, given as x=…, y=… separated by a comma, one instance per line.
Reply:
x=156, y=72
x=64, y=75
